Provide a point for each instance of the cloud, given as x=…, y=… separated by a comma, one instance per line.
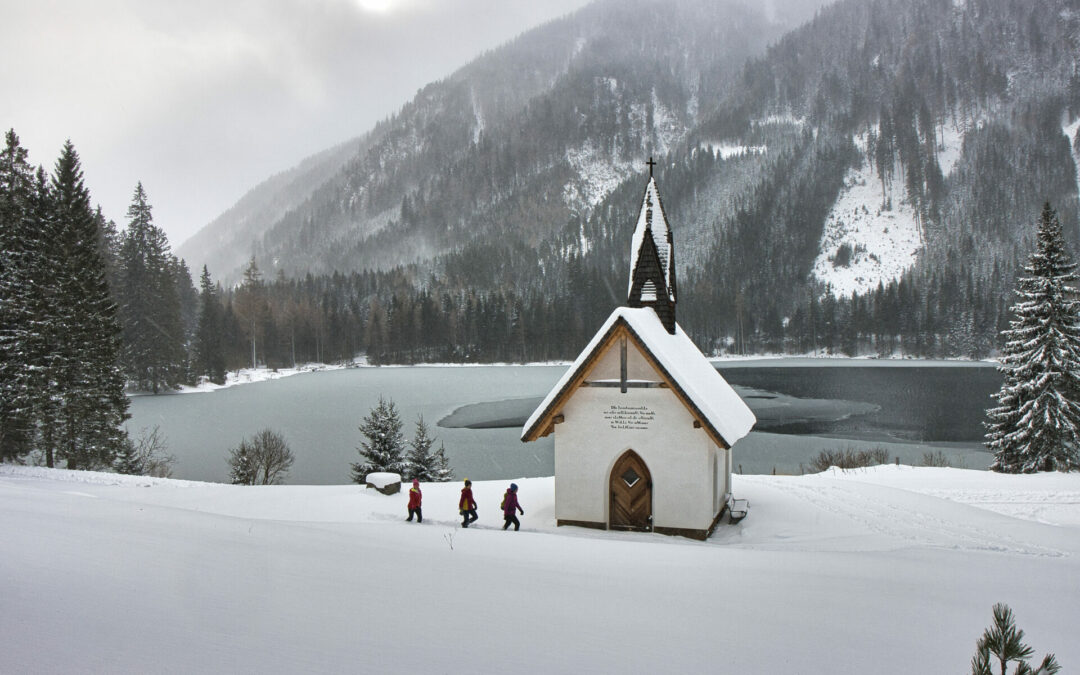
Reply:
x=203, y=99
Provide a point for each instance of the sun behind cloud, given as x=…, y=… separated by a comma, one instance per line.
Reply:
x=377, y=6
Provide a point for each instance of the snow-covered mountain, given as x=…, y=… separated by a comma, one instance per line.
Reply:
x=896, y=149
x=526, y=137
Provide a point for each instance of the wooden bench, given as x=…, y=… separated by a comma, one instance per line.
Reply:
x=737, y=509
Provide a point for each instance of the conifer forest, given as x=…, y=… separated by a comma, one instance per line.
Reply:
x=477, y=249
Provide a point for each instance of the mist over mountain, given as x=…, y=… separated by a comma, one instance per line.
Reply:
x=522, y=139
x=867, y=183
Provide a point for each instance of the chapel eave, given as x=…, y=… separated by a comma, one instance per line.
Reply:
x=544, y=424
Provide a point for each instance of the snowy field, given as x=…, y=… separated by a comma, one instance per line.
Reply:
x=885, y=570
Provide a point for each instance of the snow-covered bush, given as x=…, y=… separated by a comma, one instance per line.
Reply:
x=264, y=460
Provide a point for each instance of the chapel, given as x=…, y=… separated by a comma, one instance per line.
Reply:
x=644, y=425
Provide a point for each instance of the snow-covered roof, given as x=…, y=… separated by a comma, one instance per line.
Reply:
x=690, y=374
x=651, y=219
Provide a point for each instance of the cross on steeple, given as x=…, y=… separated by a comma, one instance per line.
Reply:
x=651, y=164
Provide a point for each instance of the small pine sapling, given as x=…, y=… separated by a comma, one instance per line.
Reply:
x=1004, y=641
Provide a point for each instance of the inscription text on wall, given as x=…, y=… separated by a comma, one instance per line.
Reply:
x=629, y=416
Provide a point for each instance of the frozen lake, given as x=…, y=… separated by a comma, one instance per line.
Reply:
x=803, y=406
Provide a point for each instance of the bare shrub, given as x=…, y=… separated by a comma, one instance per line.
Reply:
x=936, y=458
x=264, y=460
x=848, y=458
x=145, y=456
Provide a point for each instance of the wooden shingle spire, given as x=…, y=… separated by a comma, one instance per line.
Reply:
x=652, y=260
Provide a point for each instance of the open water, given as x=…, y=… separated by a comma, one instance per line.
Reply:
x=803, y=406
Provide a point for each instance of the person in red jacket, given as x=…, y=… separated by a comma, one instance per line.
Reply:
x=415, y=497
x=510, y=504
x=467, y=505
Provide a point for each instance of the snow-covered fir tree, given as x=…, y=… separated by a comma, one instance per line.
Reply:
x=1036, y=425
x=425, y=464
x=20, y=336
x=86, y=378
x=384, y=447
x=62, y=389
x=150, y=303
x=209, y=336
x=242, y=469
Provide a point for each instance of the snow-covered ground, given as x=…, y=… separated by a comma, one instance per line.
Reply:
x=883, y=243
x=1070, y=132
x=884, y=570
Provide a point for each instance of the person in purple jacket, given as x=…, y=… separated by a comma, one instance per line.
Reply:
x=510, y=505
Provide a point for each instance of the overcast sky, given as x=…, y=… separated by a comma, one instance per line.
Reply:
x=203, y=99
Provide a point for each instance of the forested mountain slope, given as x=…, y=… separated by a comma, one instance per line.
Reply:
x=519, y=141
x=867, y=184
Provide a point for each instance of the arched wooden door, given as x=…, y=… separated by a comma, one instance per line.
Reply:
x=631, y=494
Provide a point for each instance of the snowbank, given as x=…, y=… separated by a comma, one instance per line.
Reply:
x=251, y=375
x=107, y=573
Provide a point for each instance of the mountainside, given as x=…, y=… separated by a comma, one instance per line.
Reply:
x=517, y=143
x=867, y=184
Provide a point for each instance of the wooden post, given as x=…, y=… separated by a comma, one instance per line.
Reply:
x=622, y=364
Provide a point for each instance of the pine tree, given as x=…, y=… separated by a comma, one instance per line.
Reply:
x=440, y=468
x=384, y=448
x=1004, y=641
x=252, y=308
x=20, y=335
x=209, y=337
x=242, y=469
x=85, y=371
x=1036, y=425
x=425, y=464
x=150, y=303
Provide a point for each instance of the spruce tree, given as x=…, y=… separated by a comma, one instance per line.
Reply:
x=150, y=303
x=20, y=334
x=252, y=308
x=425, y=464
x=1036, y=425
x=209, y=336
x=384, y=447
x=440, y=466
x=85, y=370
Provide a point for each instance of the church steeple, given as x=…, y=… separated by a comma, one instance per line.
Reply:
x=652, y=259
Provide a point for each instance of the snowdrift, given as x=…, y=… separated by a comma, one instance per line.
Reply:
x=891, y=569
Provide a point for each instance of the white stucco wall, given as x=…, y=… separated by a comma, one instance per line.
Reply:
x=680, y=458
x=608, y=366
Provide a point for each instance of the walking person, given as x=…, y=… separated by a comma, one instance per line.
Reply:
x=467, y=505
x=510, y=505
x=415, y=497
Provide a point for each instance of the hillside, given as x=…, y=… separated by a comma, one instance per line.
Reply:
x=524, y=138
x=886, y=570
x=866, y=185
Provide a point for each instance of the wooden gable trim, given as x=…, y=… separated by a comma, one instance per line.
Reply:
x=545, y=424
x=684, y=398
